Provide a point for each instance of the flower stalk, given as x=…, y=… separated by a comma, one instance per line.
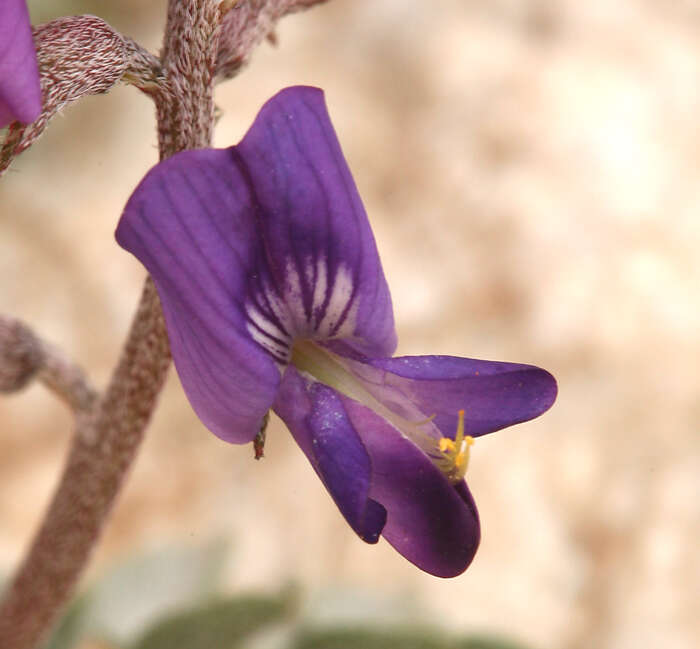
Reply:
x=107, y=438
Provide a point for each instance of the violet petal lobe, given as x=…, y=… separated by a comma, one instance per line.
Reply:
x=432, y=523
x=20, y=92
x=253, y=246
x=317, y=237
x=493, y=394
x=190, y=222
x=317, y=419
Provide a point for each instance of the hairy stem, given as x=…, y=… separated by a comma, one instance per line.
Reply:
x=25, y=357
x=108, y=435
x=105, y=443
x=185, y=104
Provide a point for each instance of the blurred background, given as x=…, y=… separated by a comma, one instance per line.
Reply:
x=531, y=169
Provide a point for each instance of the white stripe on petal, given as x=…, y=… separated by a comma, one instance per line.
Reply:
x=266, y=326
x=341, y=294
x=294, y=297
x=337, y=311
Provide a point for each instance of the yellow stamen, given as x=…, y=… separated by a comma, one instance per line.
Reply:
x=455, y=453
x=460, y=426
x=450, y=455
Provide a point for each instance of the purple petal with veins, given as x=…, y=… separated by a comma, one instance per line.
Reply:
x=254, y=246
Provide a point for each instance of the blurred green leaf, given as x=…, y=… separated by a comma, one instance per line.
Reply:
x=487, y=642
x=340, y=607
x=118, y=607
x=399, y=638
x=70, y=629
x=133, y=595
x=220, y=624
x=369, y=639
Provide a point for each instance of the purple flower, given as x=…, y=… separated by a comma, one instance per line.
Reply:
x=20, y=93
x=274, y=297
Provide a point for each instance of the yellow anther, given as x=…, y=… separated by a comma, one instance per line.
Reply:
x=455, y=453
x=462, y=458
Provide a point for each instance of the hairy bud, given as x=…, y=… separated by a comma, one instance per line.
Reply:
x=77, y=56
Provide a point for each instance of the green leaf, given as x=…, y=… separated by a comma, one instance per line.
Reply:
x=338, y=607
x=220, y=624
x=396, y=638
x=70, y=629
x=370, y=639
x=133, y=595
x=487, y=641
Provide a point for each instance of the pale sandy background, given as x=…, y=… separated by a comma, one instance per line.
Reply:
x=532, y=173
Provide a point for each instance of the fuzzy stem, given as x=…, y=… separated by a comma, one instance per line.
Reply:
x=185, y=105
x=104, y=445
x=25, y=357
x=108, y=436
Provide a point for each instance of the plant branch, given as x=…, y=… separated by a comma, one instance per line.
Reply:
x=25, y=357
x=143, y=69
x=107, y=438
x=247, y=23
x=185, y=103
